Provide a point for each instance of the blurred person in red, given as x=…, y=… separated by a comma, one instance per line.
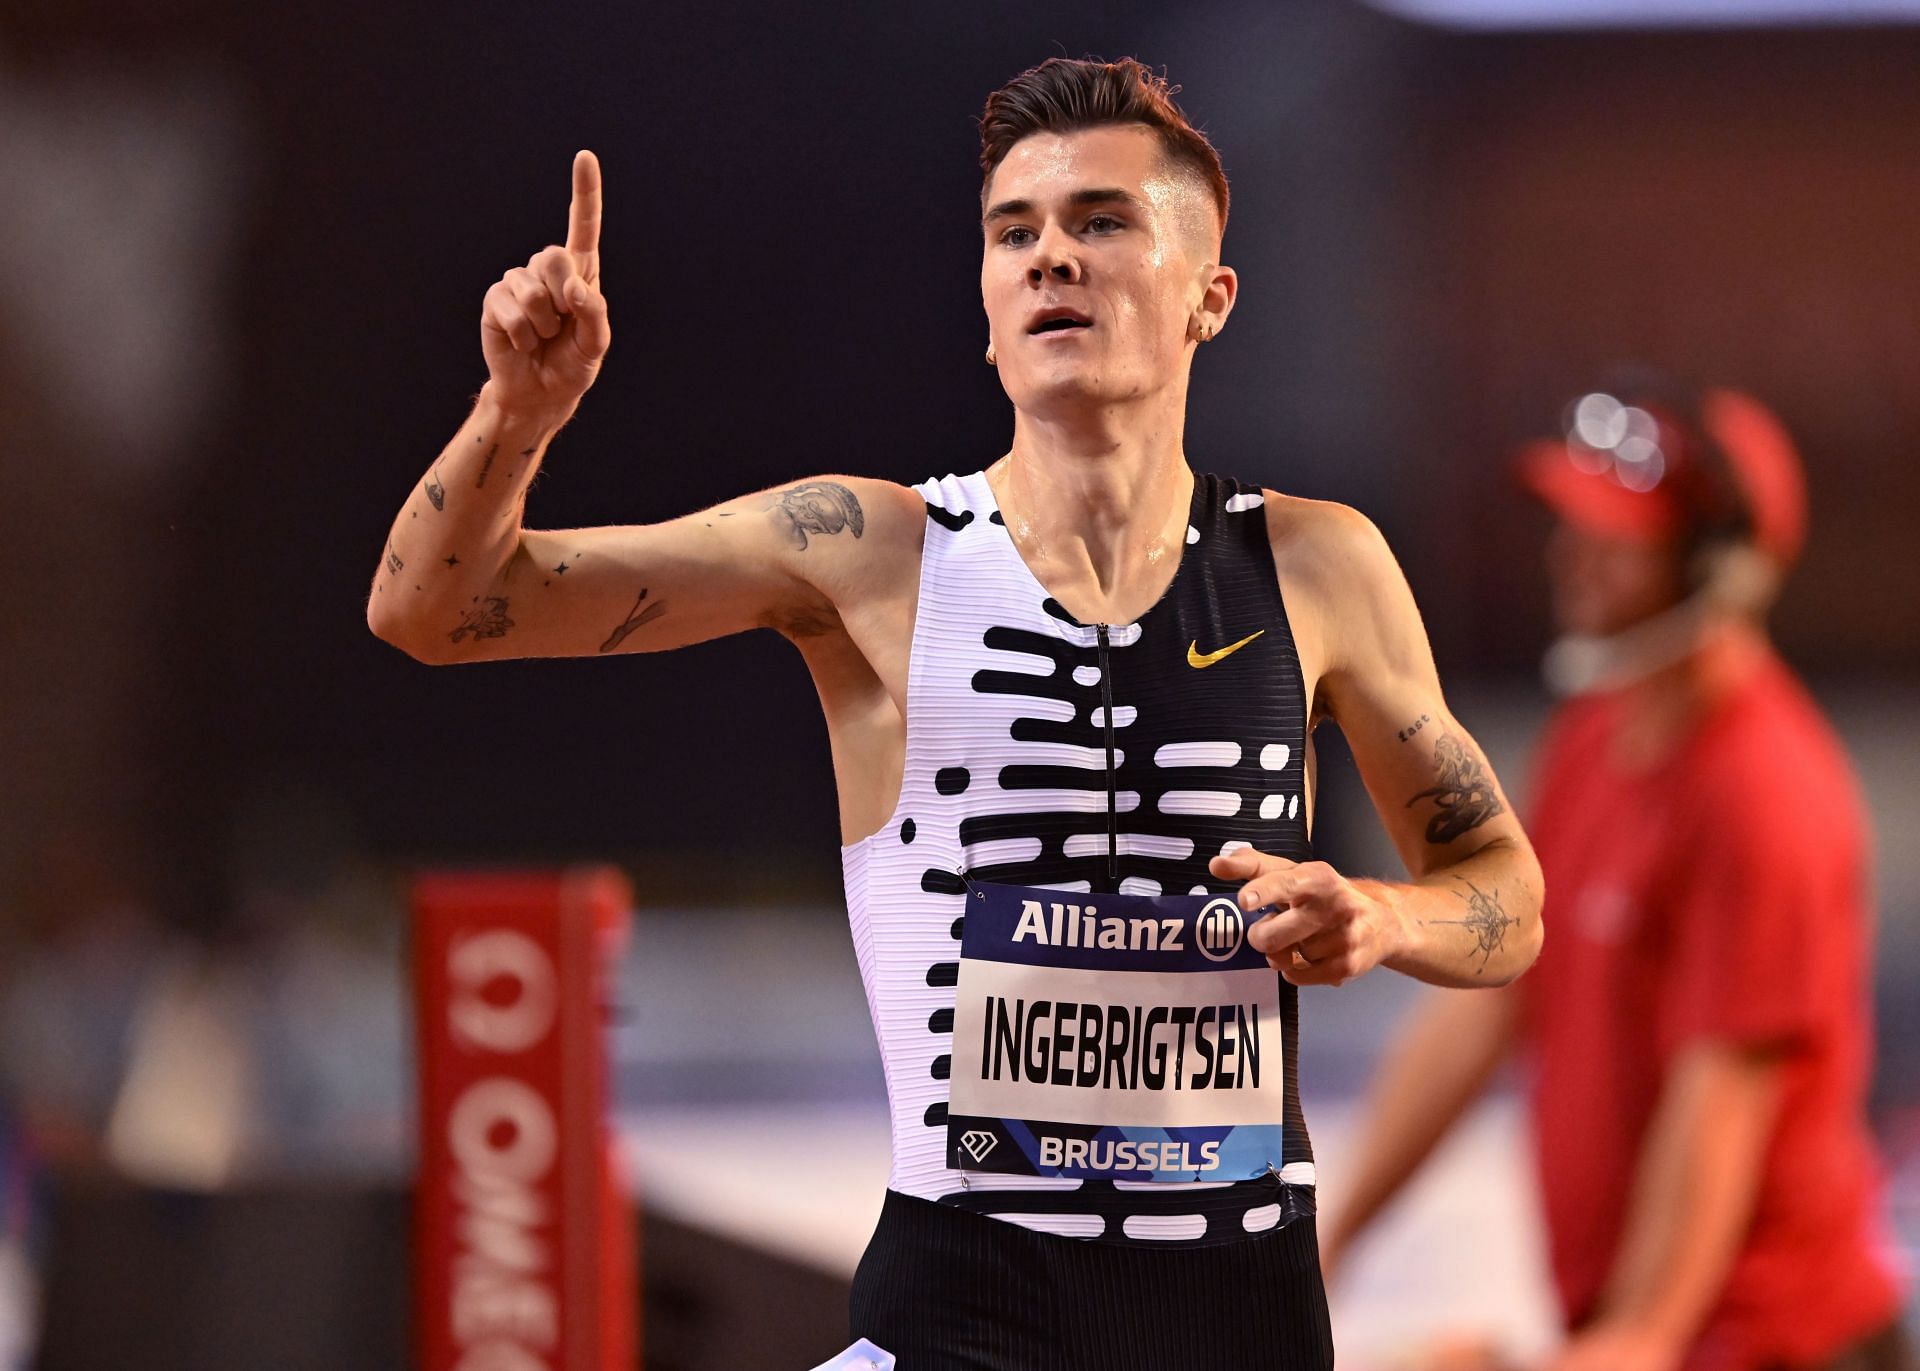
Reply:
x=1699, y=1023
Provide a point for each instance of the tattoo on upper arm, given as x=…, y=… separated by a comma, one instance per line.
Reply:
x=394, y=564
x=1486, y=918
x=486, y=465
x=638, y=615
x=1414, y=727
x=822, y=507
x=1465, y=794
x=436, y=493
x=488, y=621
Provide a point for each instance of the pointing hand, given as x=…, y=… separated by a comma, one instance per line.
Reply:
x=543, y=327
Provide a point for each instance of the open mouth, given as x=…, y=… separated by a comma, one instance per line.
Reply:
x=1062, y=321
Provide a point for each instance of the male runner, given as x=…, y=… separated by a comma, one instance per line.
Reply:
x=1083, y=671
x=1699, y=1028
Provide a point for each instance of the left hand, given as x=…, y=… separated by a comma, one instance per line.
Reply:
x=1327, y=929
x=1615, y=1347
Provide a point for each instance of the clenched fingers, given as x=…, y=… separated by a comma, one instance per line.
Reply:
x=554, y=269
x=574, y=294
x=1298, y=946
x=503, y=313
x=535, y=302
x=1324, y=960
x=1276, y=933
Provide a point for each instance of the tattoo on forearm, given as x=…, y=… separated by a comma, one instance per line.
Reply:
x=638, y=615
x=1465, y=795
x=436, y=493
x=1414, y=727
x=1486, y=918
x=394, y=564
x=488, y=621
x=823, y=507
x=486, y=465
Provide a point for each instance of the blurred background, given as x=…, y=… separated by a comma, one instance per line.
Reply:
x=242, y=253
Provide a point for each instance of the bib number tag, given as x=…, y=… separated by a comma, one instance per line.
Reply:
x=1125, y=1037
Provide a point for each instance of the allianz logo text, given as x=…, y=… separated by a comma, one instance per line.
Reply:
x=1218, y=930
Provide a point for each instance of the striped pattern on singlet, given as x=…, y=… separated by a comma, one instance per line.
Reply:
x=1042, y=751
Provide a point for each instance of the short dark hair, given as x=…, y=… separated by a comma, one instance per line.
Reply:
x=1065, y=94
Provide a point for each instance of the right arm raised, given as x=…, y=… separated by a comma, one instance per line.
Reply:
x=461, y=580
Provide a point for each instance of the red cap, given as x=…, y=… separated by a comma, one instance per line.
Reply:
x=1629, y=471
x=1767, y=465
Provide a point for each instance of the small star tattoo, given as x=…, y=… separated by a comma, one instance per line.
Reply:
x=451, y=560
x=560, y=570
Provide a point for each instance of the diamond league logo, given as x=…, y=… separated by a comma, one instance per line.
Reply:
x=1218, y=930
x=977, y=1142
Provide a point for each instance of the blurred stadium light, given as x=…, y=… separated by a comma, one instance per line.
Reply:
x=1583, y=14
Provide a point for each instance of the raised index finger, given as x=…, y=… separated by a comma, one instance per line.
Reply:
x=583, y=218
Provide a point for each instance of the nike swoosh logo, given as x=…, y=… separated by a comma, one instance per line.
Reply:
x=1198, y=659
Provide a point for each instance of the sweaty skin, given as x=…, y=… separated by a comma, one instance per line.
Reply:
x=1095, y=486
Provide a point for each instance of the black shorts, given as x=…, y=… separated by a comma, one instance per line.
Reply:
x=945, y=1290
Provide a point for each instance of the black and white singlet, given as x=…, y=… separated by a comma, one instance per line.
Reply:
x=1041, y=751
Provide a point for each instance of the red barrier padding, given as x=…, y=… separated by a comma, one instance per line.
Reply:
x=524, y=1245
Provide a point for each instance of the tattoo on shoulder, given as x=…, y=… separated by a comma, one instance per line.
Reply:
x=1414, y=727
x=823, y=507
x=487, y=620
x=1465, y=795
x=1486, y=919
x=638, y=615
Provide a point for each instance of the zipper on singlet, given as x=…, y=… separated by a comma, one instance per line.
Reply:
x=1113, y=782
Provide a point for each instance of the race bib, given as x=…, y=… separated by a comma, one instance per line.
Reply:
x=1120, y=1036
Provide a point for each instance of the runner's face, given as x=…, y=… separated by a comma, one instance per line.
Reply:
x=1097, y=223
x=1602, y=584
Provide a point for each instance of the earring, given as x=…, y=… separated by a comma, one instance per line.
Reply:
x=992, y=361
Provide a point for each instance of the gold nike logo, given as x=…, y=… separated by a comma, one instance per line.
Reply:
x=1198, y=659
